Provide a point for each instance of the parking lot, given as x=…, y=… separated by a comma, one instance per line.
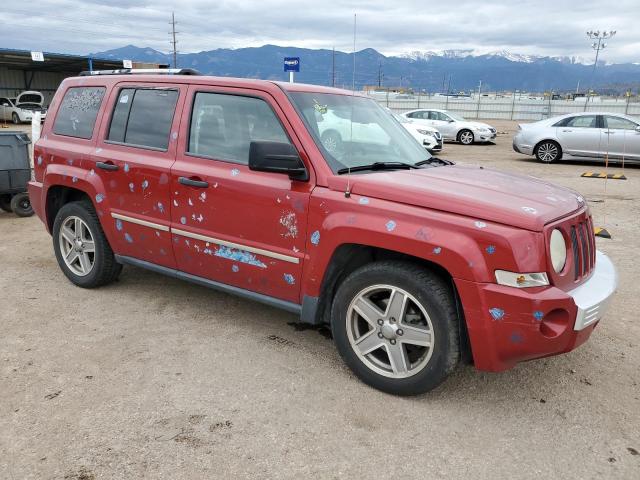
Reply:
x=151, y=377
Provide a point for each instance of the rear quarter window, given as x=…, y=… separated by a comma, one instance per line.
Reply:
x=78, y=111
x=142, y=117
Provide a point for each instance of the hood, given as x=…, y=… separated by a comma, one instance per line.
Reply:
x=477, y=124
x=31, y=98
x=470, y=190
x=417, y=127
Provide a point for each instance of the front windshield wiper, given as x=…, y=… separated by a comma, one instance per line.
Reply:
x=435, y=160
x=378, y=166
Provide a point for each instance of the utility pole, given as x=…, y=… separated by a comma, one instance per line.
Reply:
x=333, y=68
x=597, y=44
x=173, y=41
x=380, y=73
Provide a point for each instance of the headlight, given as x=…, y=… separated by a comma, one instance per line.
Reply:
x=521, y=280
x=425, y=132
x=558, y=250
x=482, y=129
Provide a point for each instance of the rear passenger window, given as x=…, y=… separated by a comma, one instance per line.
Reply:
x=78, y=111
x=223, y=126
x=142, y=117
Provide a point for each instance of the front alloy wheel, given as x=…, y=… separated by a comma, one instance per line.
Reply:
x=466, y=137
x=390, y=331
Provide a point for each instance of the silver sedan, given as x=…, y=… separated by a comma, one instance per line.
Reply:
x=581, y=136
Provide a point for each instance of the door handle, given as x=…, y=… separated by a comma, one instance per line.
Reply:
x=193, y=182
x=106, y=166
x=567, y=130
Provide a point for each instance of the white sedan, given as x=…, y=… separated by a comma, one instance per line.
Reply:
x=452, y=126
x=581, y=136
x=22, y=108
x=428, y=137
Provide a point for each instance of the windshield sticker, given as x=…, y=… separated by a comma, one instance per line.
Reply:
x=124, y=99
x=319, y=108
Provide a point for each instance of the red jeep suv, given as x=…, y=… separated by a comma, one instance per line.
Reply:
x=415, y=262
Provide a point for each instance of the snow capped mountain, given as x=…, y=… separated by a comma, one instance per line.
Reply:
x=512, y=57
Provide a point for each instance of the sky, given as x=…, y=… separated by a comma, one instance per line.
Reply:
x=543, y=27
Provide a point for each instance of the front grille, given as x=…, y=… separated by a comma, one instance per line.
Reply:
x=583, y=248
x=437, y=135
x=492, y=130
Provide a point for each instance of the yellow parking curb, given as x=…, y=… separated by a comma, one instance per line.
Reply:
x=601, y=232
x=612, y=176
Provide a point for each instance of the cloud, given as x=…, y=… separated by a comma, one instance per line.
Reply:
x=542, y=27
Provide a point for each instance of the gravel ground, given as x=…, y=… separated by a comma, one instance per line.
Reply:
x=155, y=378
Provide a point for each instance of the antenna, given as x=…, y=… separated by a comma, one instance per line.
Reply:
x=347, y=193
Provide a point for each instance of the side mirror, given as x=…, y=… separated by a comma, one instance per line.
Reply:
x=638, y=129
x=277, y=157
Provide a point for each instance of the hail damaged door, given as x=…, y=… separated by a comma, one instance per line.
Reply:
x=231, y=224
x=133, y=157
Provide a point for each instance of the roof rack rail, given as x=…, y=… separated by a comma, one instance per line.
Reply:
x=142, y=71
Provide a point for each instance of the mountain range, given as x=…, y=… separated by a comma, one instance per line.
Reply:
x=448, y=70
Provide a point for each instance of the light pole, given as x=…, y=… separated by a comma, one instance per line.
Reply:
x=598, y=44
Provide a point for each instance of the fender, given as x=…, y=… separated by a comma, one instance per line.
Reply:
x=466, y=248
x=78, y=178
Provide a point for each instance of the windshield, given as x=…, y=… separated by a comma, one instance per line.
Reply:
x=352, y=131
x=457, y=117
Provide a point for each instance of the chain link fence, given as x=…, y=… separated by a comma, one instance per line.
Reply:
x=506, y=108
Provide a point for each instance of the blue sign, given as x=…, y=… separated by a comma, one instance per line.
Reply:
x=291, y=64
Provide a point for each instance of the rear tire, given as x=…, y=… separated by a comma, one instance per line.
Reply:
x=548, y=151
x=81, y=247
x=465, y=137
x=5, y=203
x=395, y=325
x=21, y=205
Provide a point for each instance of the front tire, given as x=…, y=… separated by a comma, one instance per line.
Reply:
x=548, y=151
x=15, y=118
x=465, y=137
x=81, y=248
x=395, y=325
x=21, y=205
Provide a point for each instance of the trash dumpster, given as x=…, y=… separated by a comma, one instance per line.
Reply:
x=15, y=172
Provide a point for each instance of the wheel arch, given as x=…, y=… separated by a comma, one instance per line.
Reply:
x=348, y=257
x=57, y=197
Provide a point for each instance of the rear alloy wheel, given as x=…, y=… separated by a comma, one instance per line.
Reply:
x=81, y=248
x=21, y=205
x=395, y=325
x=548, y=152
x=15, y=118
x=5, y=203
x=465, y=137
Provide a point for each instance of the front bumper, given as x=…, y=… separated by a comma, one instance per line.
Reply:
x=508, y=325
x=593, y=296
x=432, y=145
x=484, y=136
